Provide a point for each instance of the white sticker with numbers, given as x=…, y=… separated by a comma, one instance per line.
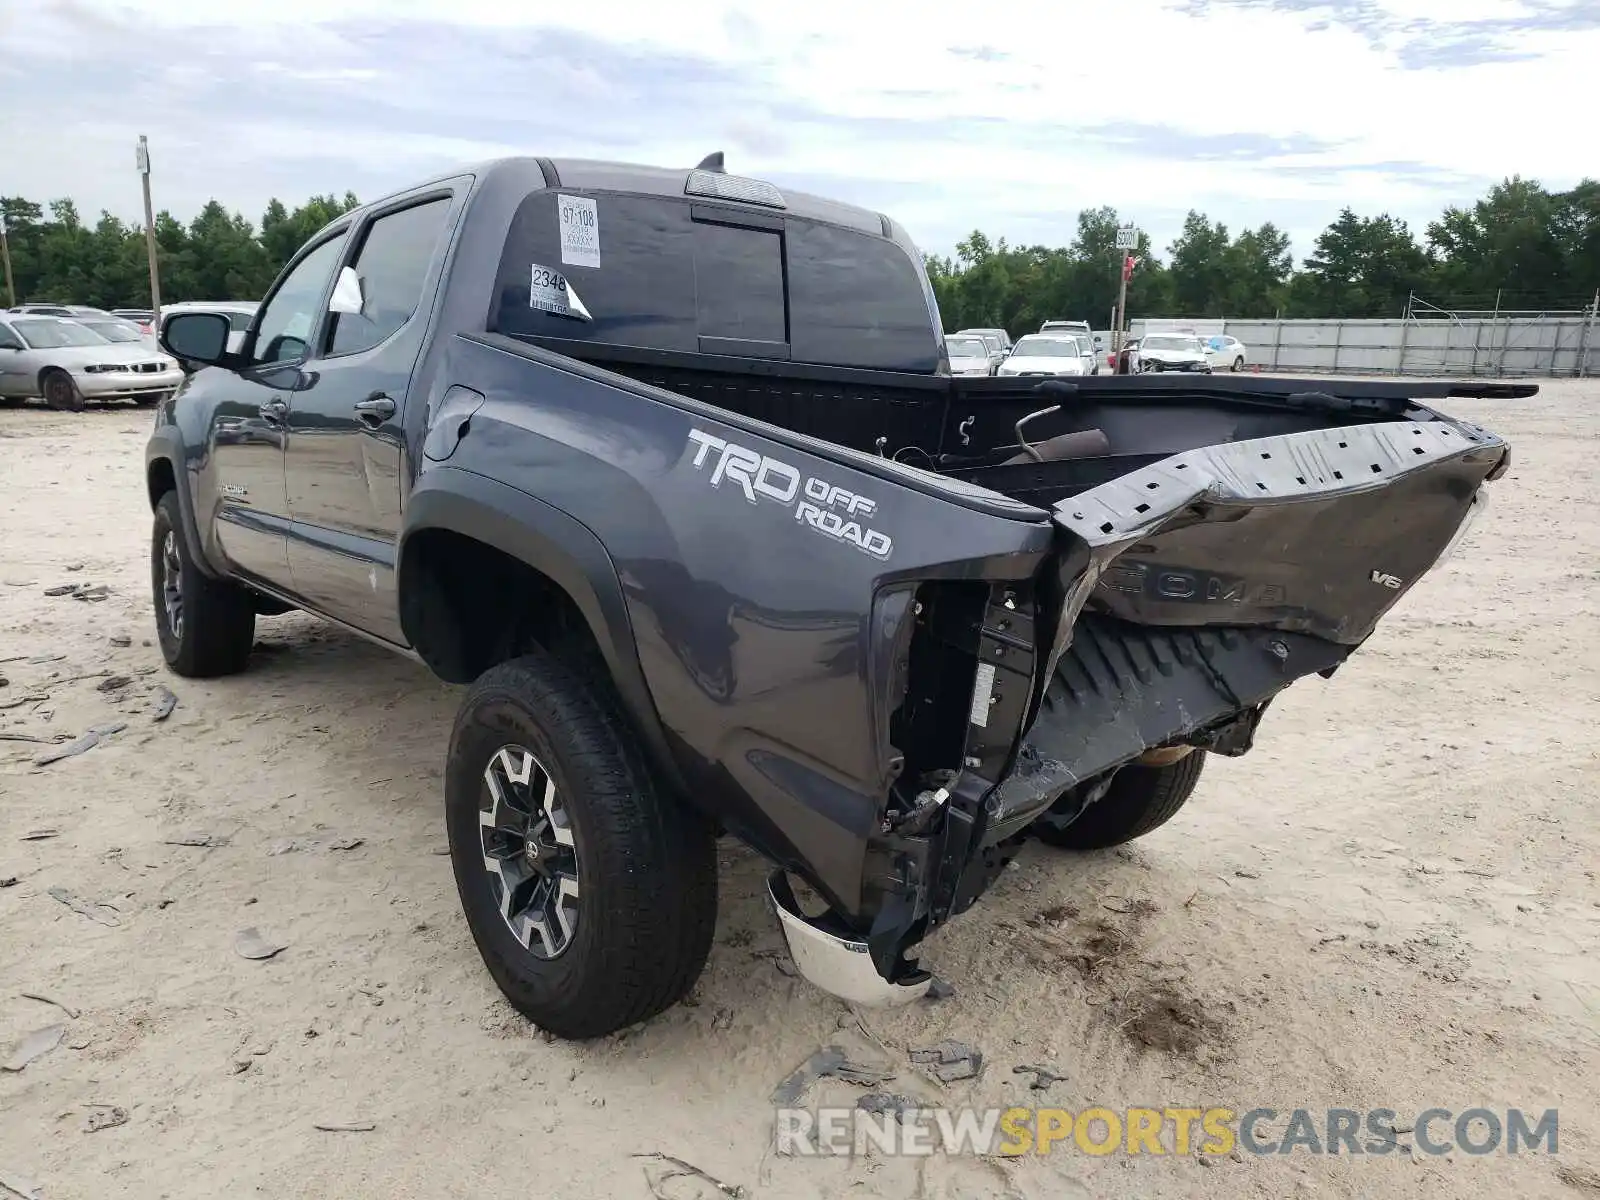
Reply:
x=550, y=292
x=579, y=218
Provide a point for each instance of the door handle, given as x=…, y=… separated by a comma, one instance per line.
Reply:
x=375, y=409
x=274, y=410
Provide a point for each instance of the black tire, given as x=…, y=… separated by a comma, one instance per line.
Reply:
x=1238, y=364
x=60, y=392
x=644, y=864
x=210, y=632
x=1139, y=800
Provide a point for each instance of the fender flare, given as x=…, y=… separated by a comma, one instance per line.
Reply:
x=562, y=549
x=166, y=445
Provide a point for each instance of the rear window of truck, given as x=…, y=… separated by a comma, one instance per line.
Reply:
x=698, y=278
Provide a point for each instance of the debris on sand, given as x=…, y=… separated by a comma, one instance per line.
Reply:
x=105, y=1116
x=20, y=1185
x=828, y=1062
x=345, y=843
x=949, y=1061
x=113, y=684
x=65, y=589
x=38, y=1043
x=345, y=1126
x=166, y=701
x=88, y=741
x=250, y=944
x=92, y=594
x=886, y=1104
x=102, y=913
x=52, y=1001
x=8, y=881
x=200, y=840
x=121, y=641
x=938, y=990
x=1043, y=1077
x=39, y=835
x=681, y=1168
x=1165, y=1020
x=1581, y=1178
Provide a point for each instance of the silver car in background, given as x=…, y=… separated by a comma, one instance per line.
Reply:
x=68, y=364
x=119, y=329
x=969, y=354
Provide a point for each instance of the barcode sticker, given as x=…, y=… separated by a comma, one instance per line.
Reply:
x=579, y=218
x=550, y=292
x=982, y=691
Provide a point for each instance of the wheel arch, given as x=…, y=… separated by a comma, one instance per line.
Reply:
x=162, y=474
x=481, y=563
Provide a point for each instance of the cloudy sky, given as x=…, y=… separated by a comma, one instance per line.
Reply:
x=1008, y=117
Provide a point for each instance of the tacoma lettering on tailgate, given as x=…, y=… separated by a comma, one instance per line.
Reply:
x=826, y=507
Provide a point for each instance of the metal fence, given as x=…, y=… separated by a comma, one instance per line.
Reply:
x=1426, y=341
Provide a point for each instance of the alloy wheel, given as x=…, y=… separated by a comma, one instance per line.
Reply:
x=172, y=583
x=529, y=852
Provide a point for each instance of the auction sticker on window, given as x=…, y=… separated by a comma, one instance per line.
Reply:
x=550, y=292
x=579, y=217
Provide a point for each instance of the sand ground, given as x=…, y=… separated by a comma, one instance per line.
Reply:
x=1391, y=902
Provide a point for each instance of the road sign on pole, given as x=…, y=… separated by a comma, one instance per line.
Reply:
x=1127, y=239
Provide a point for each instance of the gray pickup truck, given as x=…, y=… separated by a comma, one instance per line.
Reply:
x=667, y=466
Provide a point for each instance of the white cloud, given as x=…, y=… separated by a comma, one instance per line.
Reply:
x=1248, y=109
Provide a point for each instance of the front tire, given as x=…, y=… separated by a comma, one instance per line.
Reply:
x=1139, y=800
x=60, y=392
x=205, y=626
x=590, y=892
x=1238, y=364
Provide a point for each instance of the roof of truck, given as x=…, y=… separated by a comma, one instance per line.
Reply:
x=585, y=174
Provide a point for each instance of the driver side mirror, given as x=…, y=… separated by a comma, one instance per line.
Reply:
x=196, y=337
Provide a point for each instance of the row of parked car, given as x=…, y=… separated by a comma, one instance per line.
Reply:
x=70, y=354
x=1073, y=348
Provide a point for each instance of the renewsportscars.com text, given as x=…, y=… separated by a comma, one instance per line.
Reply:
x=1105, y=1131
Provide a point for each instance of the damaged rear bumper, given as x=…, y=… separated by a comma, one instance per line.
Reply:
x=1182, y=598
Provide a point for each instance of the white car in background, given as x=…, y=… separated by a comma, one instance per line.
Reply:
x=969, y=354
x=69, y=364
x=1226, y=353
x=1172, y=352
x=1043, y=354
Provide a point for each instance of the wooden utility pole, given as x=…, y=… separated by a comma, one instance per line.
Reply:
x=1127, y=241
x=142, y=157
x=5, y=254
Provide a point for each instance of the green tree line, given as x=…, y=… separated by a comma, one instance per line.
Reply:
x=1521, y=245
x=219, y=255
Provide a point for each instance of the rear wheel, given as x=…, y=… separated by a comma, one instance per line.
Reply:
x=591, y=893
x=60, y=392
x=1238, y=363
x=1139, y=800
x=205, y=626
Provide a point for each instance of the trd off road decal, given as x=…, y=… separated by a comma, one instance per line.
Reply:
x=823, y=506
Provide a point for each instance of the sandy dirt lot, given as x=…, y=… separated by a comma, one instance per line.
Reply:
x=1391, y=903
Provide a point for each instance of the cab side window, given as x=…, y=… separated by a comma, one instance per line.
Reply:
x=289, y=317
x=393, y=268
x=9, y=340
